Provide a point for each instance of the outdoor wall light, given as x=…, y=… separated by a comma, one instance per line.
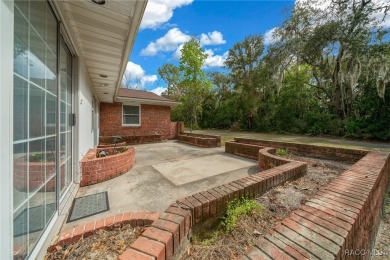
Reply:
x=99, y=2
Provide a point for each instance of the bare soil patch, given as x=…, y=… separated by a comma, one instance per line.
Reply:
x=277, y=204
x=104, y=244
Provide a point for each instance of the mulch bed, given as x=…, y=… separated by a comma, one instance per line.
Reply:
x=278, y=203
x=104, y=244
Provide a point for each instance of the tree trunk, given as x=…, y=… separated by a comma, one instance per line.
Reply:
x=337, y=91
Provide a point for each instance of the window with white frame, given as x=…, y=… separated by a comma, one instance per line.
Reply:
x=131, y=115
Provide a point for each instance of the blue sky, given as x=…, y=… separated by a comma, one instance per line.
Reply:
x=166, y=25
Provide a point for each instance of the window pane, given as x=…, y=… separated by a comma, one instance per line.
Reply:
x=50, y=206
x=20, y=109
x=20, y=174
x=131, y=120
x=51, y=72
x=23, y=6
x=62, y=116
x=50, y=114
x=20, y=232
x=69, y=90
x=21, y=45
x=36, y=59
x=37, y=112
x=51, y=30
x=37, y=217
x=50, y=157
x=134, y=110
x=37, y=164
x=38, y=17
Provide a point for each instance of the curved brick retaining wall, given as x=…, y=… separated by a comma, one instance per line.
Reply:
x=268, y=159
x=250, y=151
x=200, y=140
x=341, y=219
x=343, y=216
x=135, y=219
x=308, y=149
x=169, y=235
x=95, y=170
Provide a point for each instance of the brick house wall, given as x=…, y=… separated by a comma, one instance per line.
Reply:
x=155, y=120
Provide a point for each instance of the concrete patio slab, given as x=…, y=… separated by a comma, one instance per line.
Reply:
x=145, y=188
x=190, y=170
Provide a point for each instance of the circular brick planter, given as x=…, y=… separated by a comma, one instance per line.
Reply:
x=95, y=170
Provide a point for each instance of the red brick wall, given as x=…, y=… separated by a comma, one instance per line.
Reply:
x=308, y=149
x=207, y=141
x=95, y=170
x=155, y=120
x=242, y=149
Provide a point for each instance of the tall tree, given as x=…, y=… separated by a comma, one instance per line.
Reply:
x=171, y=75
x=194, y=84
x=243, y=60
x=332, y=43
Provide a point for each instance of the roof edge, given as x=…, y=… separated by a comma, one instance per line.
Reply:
x=139, y=11
x=170, y=103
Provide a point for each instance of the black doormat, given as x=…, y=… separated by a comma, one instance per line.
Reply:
x=86, y=206
x=36, y=218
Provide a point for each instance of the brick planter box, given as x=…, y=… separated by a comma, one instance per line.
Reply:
x=95, y=170
x=132, y=139
x=200, y=140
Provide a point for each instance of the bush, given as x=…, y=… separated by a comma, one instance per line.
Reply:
x=282, y=152
x=237, y=208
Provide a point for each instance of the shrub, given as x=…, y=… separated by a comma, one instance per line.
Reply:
x=282, y=152
x=237, y=208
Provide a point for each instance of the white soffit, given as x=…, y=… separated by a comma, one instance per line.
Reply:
x=105, y=35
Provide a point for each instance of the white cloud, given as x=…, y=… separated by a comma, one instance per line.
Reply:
x=269, y=37
x=158, y=90
x=158, y=12
x=169, y=42
x=214, y=60
x=383, y=22
x=177, y=53
x=136, y=77
x=174, y=40
x=213, y=38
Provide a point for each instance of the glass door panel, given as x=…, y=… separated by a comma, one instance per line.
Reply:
x=35, y=96
x=65, y=177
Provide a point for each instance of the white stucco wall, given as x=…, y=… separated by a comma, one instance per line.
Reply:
x=83, y=112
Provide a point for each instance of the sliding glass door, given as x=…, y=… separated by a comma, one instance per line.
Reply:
x=65, y=177
x=42, y=105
